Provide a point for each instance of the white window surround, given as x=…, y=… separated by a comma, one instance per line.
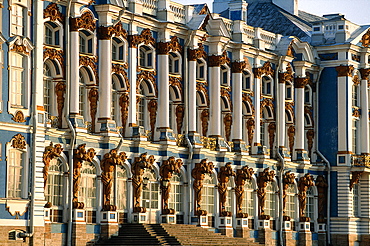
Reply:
x=119, y=49
x=87, y=42
x=56, y=32
x=25, y=107
x=247, y=79
x=208, y=194
x=175, y=63
x=225, y=75
x=201, y=70
x=146, y=57
x=267, y=87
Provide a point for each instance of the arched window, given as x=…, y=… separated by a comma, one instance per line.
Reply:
x=266, y=86
x=270, y=203
x=146, y=57
x=246, y=81
x=86, y=42
x=52, y=34
x=150, y=198
x=87, y=193
x=54, y=190
x=355, y=200
x=208, y=194
x=290, y=206
x=225, y=75
x=310, y=205
x=121, y=188
x=176, y=196
x=288, y=91
x=48, y=83
x=15, y=166
x=248, y=201
x=118, y=50
x=174, y=63
x=201, y=73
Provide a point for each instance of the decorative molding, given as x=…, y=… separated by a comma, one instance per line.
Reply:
x=301, y=82
x=166, y=170
x=195, y=54
x=303, y=184
x=267, y=102
x=19, y=142
x=180, y=113
x=356, y=112
x=52, y=12
x=93, y=99
x=137, y=169
x=19, y=117
x=145, y=37
x=365, y=40
x=241, y=176
x=288, y=179
x=247, y=98
x=356, y=175
x=289, y=106
x=164, y=48
x=238, y=66
x=148, y=76
x=322, y=187
x=365, y=73
x=266, y=69
x=54, y=54
x=344, y=71
x=356, y=80
x=90, y=62
x=108, y=165
x=263, y=178
x=271, y=130
x=85, y=21
x=120, y=69
x=223, y=178
x=228, y=121
x=204, y=118
x=310, y=134
x=216, y=61
x=152, y=108
x=176, y=82
x=250, y=129
x=51, y=152
x=60, y=89
x=198, y=174
x=106, y=33
x=79, y=155
x=20, y=48
x=124, y=103
x=291, y=137
x=290, y=50
x=201, y=87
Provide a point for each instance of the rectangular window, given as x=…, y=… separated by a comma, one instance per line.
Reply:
x=177, y=66
x=17, y=20
x=17, y=79
x=149, y=59
x=15, y=171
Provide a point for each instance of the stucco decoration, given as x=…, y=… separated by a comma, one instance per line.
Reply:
x=166, y=170
x=144, y=38
x=152, y=108
x=263, y=179
x=216, y=61
x=204, y=117
x=310, y=134
x=106, y=33
x=223, y=177
x=79, y=156
x=90, y=62
x=241, y=176
x=51, y=152
x=291, y=137
x=19, y=142
x=356, y=175
x=304, y=183
x=250, y=129
x=180, y=113
x=195, y=54
x=365, y=40
x=85, y=21
x=137, y=169
x=322, y=189
x=344, y=71
x=19, y=117
x=60, y=89
x=124, y=103
x=52, y=11
x=108, y=165
x=93, y=98
x=271, y=130
x=228, y=121
x=198, y=174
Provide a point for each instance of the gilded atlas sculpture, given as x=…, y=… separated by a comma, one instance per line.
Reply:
x=79, y=156
x=241, y=176
x=304, y=183
x=198, y=174
x=138, y=167
x=288, y=179
x=51, y=152
x=322, y=187
x=166, y=170
x=262, y=180
x=223, y=179
x=108, y=165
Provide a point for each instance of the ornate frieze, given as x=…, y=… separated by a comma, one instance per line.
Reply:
x=52, y=12
x=198, y=174
x=204, y=118
x=51, y=152
x=164, y=48
x=322, y=187
x=145, y=37
x=79, y=155
x=20, y=48
x=60, y=89
x=228, y=121
x=241, y=176
x=365, y=40
x=106, y=33
x=19, y=117
x=223, y=177
x=216, y=61
x=263, y=179
x=152, y=108
x=180, y=113
x=93, y=98
x=19, y=142
x=304, y=183
x=124, y=103
x=195, y=54
x=288, y=179
x=344, y=71
x=166, y=170
x=137, y=169
x=108, y=165
x=85, y=21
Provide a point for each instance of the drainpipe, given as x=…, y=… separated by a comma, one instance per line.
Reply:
x=70, y=126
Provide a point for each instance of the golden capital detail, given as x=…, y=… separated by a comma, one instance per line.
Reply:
x=216, y=61
x=52, y=12
x=195, y=54
x=106, y=33
x=165, y=48
x=344, y=71
x=265, y=69
x=238, y=67
x=301, y=82
x=145, y=37
x=86, y=21
x=365, y=72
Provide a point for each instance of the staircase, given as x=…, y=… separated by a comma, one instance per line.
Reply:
x=166, y=234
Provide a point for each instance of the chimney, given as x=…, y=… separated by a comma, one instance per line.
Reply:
x=290, y=6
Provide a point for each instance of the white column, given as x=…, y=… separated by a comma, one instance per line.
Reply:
x=132, y=61
x=163, y=120
x=215, y=101
x=299, y=100
x=281, y=111
x=75, y=77
x=237, y=132
x=365, y=148
x=257, y=109
x=192, y=103
x=105, y=74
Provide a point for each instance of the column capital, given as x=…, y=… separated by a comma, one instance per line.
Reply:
x=86, y=21
x=107, y=32
x=194, y=54
x=344, y=71
x=163, y=48
x=145, y=37
x=238, y=66
x=217, y=61
x=365, y=72
x=258, y=72
x=301, y=82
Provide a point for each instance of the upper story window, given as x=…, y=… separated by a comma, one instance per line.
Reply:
x=246, y=81
x=307, y=95
x=48, y=82
x=174, y=63
x=146, y=57
x=17, y=95
x=52, y=34
x=289, y=91
x=118, y=50
x=201, y=70
x=355, y=96
x=225, y=75
x=86, y=42
x=266, y=86
x=18, y=20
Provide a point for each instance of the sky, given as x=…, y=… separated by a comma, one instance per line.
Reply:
x=353, y=10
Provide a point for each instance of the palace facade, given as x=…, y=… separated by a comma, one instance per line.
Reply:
x=252, y=121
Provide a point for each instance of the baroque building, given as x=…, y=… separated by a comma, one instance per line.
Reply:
x=252, y=121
